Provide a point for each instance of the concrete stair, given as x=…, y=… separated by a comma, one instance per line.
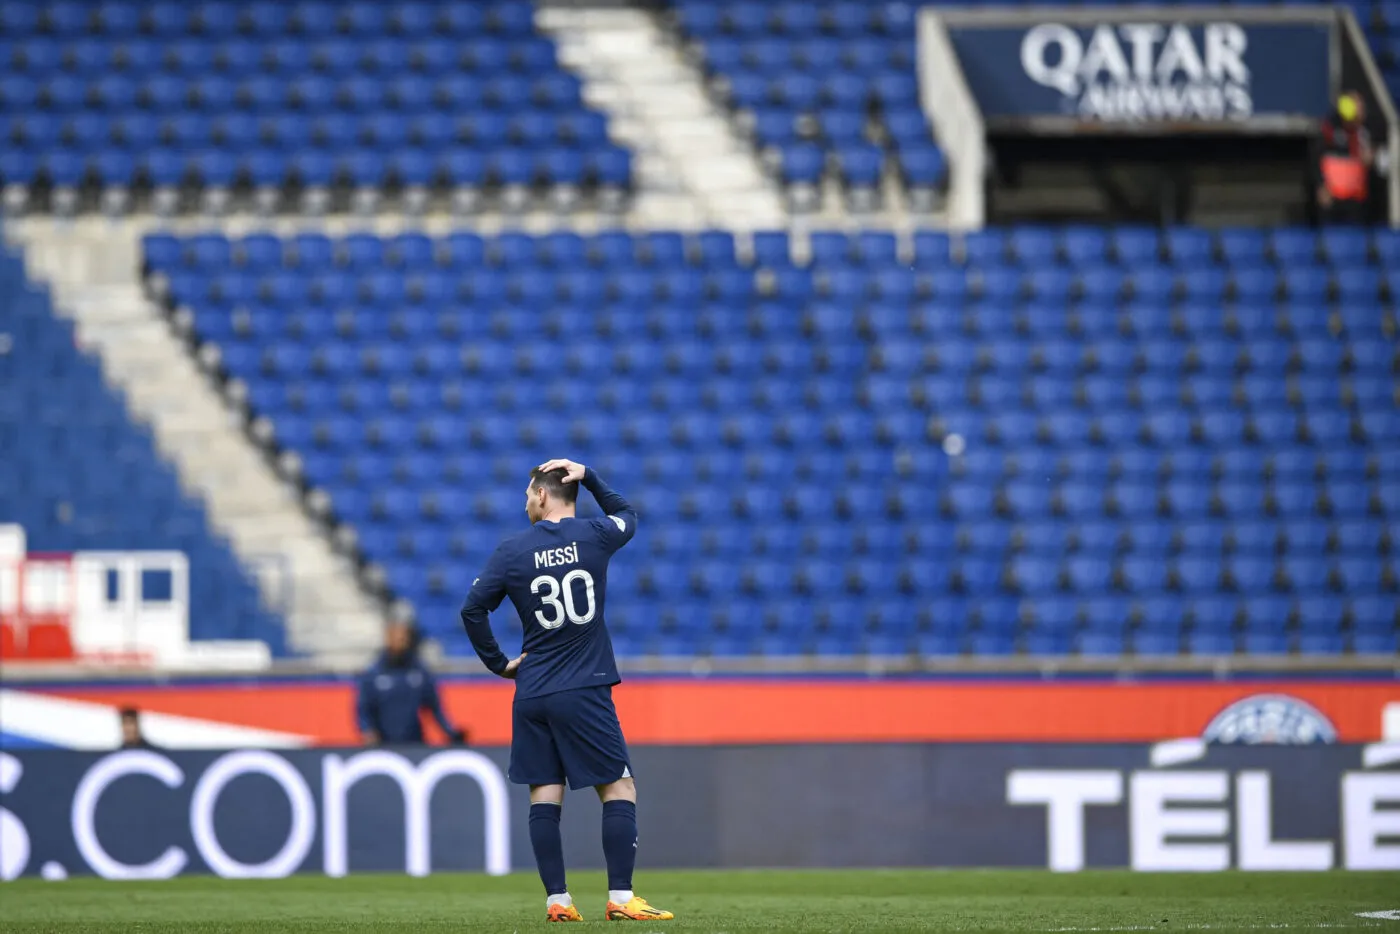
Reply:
x=691, y=169
x=92, y=266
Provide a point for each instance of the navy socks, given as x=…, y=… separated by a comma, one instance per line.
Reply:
x=619, y=842
x=549, y=846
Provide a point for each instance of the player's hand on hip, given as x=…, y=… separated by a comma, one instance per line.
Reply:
x=573, y=471
x=513, y=666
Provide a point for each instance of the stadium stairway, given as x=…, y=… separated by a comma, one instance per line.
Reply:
x=78, y=474
x=691, y=169
x=826, y=94
x=92, y=267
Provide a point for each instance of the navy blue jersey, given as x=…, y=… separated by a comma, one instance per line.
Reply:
x=556, y=575
x=391, y=695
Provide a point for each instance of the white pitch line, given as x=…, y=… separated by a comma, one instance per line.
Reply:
x=1228, y=927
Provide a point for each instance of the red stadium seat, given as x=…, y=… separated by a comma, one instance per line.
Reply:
x=49, y=642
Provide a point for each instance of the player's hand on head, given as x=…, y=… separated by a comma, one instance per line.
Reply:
x=573, y=471
x=513, y=666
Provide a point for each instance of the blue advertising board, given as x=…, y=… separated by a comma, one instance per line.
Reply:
x=1188, y=805
x=1144, y=71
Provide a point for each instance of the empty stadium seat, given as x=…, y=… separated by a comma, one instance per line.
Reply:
x=1154, y=471
x=146, y=98
x=775, y=71
x=91, y=478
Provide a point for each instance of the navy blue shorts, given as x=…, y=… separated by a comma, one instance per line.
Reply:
x=571, y=735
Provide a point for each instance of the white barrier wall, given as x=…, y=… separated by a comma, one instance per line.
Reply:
x=130, y=607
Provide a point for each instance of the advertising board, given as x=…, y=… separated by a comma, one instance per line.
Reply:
x=1187, y=805
x=796, y=709
x=1162, y=72
x=1147, y=69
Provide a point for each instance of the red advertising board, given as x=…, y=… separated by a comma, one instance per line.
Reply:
x=800, y=710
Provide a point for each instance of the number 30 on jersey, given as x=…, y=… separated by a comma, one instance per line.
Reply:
x=558, y=599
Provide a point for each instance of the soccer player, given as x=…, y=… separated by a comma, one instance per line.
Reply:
x=564, y=723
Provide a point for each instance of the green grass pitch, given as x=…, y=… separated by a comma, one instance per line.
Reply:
x=824, y=902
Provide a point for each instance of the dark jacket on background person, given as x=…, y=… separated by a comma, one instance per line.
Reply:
x=392, y=694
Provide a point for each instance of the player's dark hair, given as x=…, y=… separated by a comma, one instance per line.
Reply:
x=129, y=713
x=552, y=482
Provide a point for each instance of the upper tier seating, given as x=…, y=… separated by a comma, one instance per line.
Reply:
x=824, y=90
x=77, y=474
x=829, y=89
x=1040, y=440
x=312, y=106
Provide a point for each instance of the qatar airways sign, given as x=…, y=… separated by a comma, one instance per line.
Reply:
x=1143, y=72
x=251, y=814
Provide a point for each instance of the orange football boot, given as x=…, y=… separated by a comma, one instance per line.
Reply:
x=636, y=910
x=562, y=913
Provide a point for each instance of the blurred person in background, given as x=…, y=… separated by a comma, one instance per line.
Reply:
x=395, y=690
x=132, y=737
x=1344, y=164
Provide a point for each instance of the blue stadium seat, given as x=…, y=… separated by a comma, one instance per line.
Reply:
x=1128, y=451
x=1266, y=643
x=1210, y=643
x=1376, y=643
x=1267, y=614
x=1387, y=247
x=1359, y=536
x=1156, y=644
x=137, y=503
x=1243, y=247
x=1292, y=247
x=1143, y=575
x=1089, y=575
x=1321, y=615
x=237, y=81
x=1134, y=246
x=1161, y=614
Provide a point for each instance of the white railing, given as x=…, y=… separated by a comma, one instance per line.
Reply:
x=956, y=120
